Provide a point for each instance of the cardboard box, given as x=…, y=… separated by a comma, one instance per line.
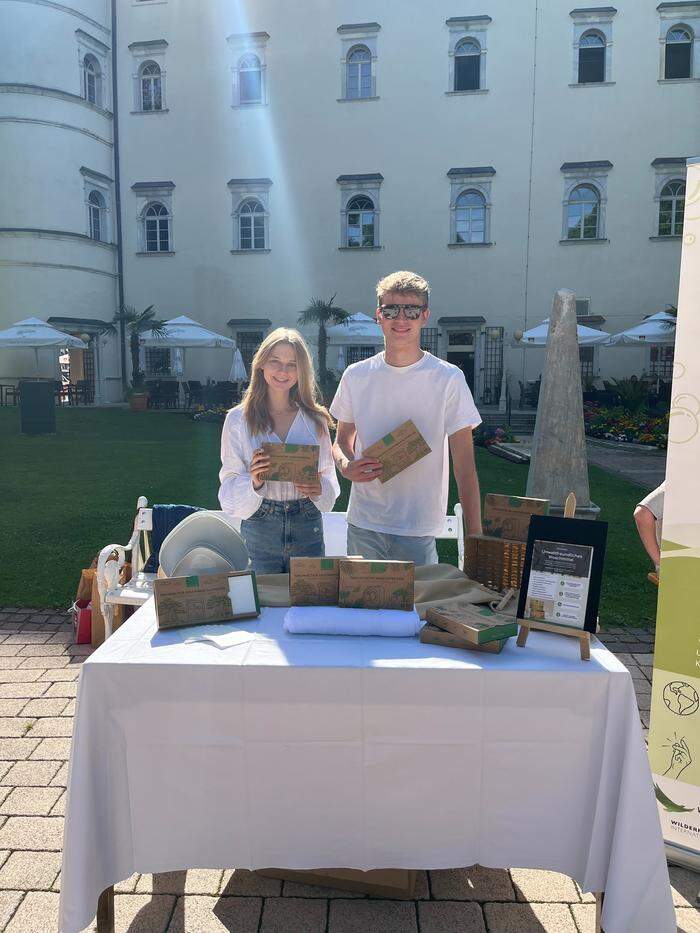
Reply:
x=386, y=882
x=476, y=624
x=292, y=463
x=207, y=597
x=376, y=584
x=399, y=449
x=314, y=581
x=432, y=635
x=509, y=516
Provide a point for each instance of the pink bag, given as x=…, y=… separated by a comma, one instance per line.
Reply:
x=82, y=621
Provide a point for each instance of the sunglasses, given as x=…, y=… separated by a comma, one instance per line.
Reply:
x=410, y=312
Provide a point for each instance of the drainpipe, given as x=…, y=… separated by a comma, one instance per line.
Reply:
x=117, y=198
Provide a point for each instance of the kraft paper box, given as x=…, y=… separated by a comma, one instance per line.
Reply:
x=385, y=882
x=399, y=449
x=292, y=463
x=313, y=581
x=207, y=597
x=432, y=635
x=376, y=584
x=477, y=625
x=509, y=516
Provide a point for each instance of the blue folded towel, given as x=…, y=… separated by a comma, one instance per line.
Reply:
x=165, y=518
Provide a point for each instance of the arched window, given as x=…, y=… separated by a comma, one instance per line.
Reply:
x=360, y=221
x=96, y=207
x=470, y=218
x=591, y=58
x=92, y=80
x=250, y=79
x=679, y=44
x=358, y=73
x=467, y=65
x=156, y=222
x=671, y=208
x=583, y=213
x=151, y=81
x=251, y=225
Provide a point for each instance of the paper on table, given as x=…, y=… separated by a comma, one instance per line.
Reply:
x=227, y=638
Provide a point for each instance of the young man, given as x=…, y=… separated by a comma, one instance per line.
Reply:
x=399, y=520
x=648, y=516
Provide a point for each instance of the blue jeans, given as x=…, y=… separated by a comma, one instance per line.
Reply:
x=280, y=530
x=376, y=545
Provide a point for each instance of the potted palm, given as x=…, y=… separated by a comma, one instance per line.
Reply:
x=135, y=323
x=324, y=314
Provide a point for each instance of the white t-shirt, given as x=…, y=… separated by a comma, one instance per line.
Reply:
x=377, y=398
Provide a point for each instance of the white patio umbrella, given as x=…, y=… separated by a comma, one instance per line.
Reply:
x=341, y=360
x=537, y=336
x=182, y=333
x=359, y=327
x=653, y=330
x=237, y=372
x=35, y=334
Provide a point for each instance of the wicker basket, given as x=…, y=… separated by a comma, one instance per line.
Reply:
x=495, y=562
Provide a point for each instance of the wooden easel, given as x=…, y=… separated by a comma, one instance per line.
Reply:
x=526, y=625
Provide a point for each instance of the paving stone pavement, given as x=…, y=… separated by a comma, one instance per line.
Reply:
x=37, y=701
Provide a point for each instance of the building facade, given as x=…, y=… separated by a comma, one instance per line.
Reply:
x=260, y=154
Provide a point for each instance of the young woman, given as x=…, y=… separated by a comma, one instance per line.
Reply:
x=279, y=520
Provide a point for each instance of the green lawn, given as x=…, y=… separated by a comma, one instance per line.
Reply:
x=66, y=496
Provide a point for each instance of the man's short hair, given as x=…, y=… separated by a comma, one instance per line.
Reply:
x=403, y=282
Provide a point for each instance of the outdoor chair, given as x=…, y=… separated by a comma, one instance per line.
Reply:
x=193, y=392
x=9, y=394
x=169, y=393
x=83, y=391
x=225, y=393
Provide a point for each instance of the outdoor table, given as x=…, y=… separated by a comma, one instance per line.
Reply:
x=302, y=752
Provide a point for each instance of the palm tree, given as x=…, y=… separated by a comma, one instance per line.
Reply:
x=673, y=311
x=135, y=323
x=323, y=313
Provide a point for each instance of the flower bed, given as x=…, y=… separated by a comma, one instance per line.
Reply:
x=485, y=436
x=615, y=424
x=216, y=414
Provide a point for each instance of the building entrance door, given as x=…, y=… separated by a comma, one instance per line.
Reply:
x=465, y=360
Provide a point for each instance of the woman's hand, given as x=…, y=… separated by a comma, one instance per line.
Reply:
x=259, y=465
x=310, y=490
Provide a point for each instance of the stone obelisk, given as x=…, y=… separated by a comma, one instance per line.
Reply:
x=558, y=463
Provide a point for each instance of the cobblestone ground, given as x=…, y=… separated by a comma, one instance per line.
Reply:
x=39, y=667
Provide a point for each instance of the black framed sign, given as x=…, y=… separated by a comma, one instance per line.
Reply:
x=563, y=572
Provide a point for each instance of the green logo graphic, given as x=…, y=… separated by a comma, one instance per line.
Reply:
x=668, y=804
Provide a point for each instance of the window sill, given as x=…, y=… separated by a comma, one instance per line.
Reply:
x=147, y=2
x=355, y=100
x=480, y=90
x=159, y=252
x=592, y=84
x=677, y=80
x=591, y=240
x=469, y=245
x=359, y=249
x=670, y=236
x=149, y=113
x=253, y=105
x=248, y=252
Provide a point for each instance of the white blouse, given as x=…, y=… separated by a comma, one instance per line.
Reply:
x=236, y=493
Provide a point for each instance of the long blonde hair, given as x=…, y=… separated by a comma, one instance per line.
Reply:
x=305, y=394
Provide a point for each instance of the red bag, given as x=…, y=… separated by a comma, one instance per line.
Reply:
x=82, y=621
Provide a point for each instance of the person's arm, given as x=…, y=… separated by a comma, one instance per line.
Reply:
x=646, y=526
x=363, y=470
x=464, y=468
x=238, y=494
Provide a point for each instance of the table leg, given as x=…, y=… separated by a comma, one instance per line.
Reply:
x=599, y=897
x=105, y=911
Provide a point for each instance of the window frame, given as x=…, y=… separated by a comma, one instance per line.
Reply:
x=683, y=15
x=459, y=29
x=103, y=186
x=90, y=47
x=245, y=191
x=479, y=180
x=586, y=22
x=352, y=37
x=242, y=45
x=593, y=175
x=691, y=38
x=147, y=195
x=356, y=186
x=151, y=79
x=144, y=54
x=471, y=56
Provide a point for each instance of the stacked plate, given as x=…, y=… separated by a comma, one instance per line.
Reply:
x=204, y=542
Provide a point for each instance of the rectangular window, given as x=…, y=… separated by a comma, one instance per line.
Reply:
x=354, y=354
x=248, y=342
x=661, y=362
x=251, y=86
x=586, y=356
x=460, y=338
x=583, y=307
x=429, y=339
x=152, y=236
x=157, y=361
x=591, y=65
x=164, y=245
x=467, y=72
x=677, y=60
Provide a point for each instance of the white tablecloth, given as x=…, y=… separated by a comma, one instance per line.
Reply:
x=300, y=751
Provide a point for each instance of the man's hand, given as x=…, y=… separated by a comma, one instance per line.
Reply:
x=363, y=470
